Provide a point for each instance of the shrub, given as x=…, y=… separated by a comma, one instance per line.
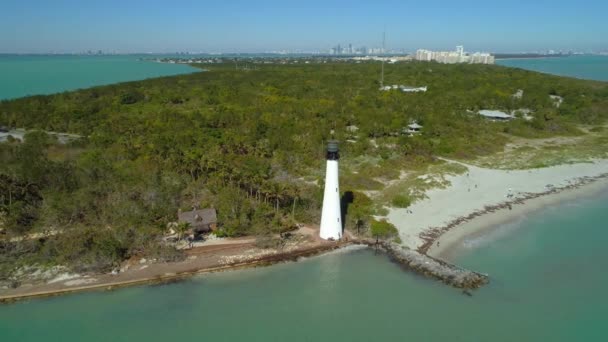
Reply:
x=401, y=201
x=131, y=97
x=383, y=229
x=597, y=129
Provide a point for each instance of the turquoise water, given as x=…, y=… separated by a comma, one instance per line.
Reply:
x=586, y=67
x=548, y=280
x=34, y=75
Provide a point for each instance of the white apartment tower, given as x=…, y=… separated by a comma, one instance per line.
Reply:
x=460, y=50
x=458, y=56
x=331, y=216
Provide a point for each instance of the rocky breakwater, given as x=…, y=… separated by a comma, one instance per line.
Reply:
x=447, y=273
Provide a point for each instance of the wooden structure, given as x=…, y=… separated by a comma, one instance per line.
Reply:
x=200, y=220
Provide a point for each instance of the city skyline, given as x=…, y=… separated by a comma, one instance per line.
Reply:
x=66, y=26
x=358, y=51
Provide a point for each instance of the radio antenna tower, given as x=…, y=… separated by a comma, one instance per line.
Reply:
x=383, y=50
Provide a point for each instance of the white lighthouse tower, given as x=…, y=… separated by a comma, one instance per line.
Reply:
x=331, y=216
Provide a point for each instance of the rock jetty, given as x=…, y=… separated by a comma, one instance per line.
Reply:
x=433, y=268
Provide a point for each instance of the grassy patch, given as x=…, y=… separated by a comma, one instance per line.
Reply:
x=584, y=149
x=401, y=201
x=415, y=184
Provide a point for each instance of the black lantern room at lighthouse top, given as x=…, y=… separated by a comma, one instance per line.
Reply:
x=332, y=150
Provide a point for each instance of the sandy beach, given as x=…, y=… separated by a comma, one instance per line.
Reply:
x=480, y=199
x=444, y=246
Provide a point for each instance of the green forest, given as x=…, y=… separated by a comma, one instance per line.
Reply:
x=250, y=143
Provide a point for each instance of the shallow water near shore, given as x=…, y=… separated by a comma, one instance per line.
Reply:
x=548, y=276
x=40, y=74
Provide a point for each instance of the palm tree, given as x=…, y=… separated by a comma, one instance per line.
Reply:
x=278, y=190
x=181, y=229
x=295, y=193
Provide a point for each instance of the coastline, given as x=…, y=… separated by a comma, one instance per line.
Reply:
x=433, y=229
x=181, y=271
x=445, y=244
x=408, y=260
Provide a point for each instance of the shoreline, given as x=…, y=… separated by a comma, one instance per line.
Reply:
x=446, y=218
x=481, y=190
x=408, y=260
x=262, y=261
x=443, y=242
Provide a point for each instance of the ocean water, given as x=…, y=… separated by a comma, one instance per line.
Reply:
x=585, y=67
x=35, y=75
x=548, y=282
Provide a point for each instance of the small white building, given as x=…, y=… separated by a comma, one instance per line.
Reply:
x=352, y=129
x=406, y=89
x=557, y=100
x=518, y=94
x=412, y=129
x=496, y=115
x=524, y=113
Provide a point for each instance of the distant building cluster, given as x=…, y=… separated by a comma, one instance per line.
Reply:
x=350, y=50
x=457, y=56
x=387, y=59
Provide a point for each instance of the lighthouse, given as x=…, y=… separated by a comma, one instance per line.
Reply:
x=331, y=216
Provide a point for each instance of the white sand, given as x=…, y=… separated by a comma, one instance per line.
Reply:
x=64, y=276
x=478, y=227
x=80, y=282
x=463, y=198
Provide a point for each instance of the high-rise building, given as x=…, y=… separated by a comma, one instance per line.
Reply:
x=457, y=56
x=424, y=55
x=460, y=50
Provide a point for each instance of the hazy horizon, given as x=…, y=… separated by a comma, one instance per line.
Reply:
x=64, y=26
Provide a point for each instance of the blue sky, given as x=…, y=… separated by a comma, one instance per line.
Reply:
x=255, y=26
